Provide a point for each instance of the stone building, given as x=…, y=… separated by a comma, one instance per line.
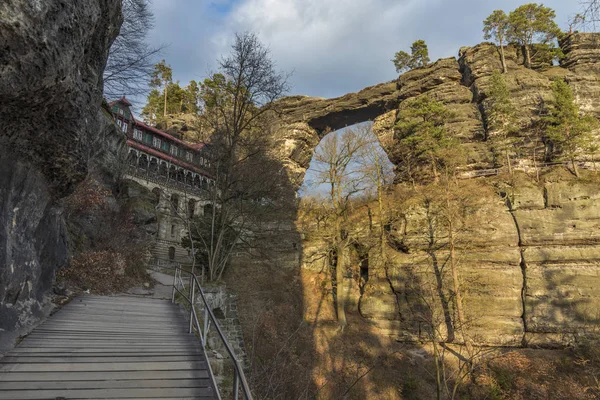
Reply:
x=178, y=173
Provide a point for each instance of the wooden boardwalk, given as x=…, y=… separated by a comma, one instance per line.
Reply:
x=109, y=348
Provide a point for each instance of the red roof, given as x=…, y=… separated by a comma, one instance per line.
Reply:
x=164, y=156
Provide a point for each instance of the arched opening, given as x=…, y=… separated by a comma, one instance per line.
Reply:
x=173, y=172
x=153, y=165
x=207, y=209
x=366, y=149
x=191, y=208
x=163, y=170
x=204, y=184
x=143, y=161
x=157, y=193
x=132, y=157
x=175, y=201
x=180, y=176
x=188, y=178
x=171, y=253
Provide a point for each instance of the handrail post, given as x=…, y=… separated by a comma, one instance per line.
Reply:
x=206, y=322
x=236, y=384
x=192, y=288
x=174, y=283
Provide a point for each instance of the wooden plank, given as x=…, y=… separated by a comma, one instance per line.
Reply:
x=102, y=376
x=40, y=350
x=124, y=393
x=99, y=359
x=114, y=384
x=101, y=367
x=109, y=347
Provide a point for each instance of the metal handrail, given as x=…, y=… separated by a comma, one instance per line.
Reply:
x=239, y=376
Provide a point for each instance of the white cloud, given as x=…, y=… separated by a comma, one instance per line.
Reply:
x=337, y=46
x=333, y=46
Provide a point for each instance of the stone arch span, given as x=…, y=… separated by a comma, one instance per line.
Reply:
x=306, y=120
x=325, y=115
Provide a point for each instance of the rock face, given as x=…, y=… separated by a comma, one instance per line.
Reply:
x=51, y=64
x=531, y=262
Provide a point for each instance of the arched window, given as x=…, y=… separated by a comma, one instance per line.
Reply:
x=191, y=208
x=157, y=192
x=175, y=201
x=171, y=253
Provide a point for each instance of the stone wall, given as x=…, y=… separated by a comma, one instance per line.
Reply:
x=223, y=304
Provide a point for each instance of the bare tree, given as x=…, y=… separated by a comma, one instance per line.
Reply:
x=131, y=59
x=237, y=105
x=334, y=159
x=590, y=14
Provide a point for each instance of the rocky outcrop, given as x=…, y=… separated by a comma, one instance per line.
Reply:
x=325, y=115
x=531, y=257
x=51, y=64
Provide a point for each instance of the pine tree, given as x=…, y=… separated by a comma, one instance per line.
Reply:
x=533, y=23
x=153, y=107
x=501, y=116
x=192, y=93
x=421, y=130
x=566, y=129
x=419, y=57
x=496, y=27
x=162, y=76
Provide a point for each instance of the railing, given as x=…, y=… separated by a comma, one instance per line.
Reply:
x=194, y=287
x=165, y=180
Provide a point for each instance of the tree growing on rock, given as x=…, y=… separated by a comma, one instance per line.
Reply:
x=423, y=137
x=501, y=116
x=496, y=27
x=567, y=130
x=419, y=57
x=533, y=23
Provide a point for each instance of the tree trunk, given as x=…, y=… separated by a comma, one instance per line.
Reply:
x=455, y=282
x=502, y=58
x=165, y=105
x=575, y=170
x=508, y=164
x=527, y=56
x=339, y=292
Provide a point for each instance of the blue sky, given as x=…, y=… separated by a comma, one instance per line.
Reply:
x=332, y=46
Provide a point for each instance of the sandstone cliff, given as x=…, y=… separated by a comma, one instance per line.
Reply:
x=51, y=65
x=532, y=255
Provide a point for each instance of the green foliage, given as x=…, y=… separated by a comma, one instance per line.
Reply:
x=168, y=97
x=501, y=117
x=496, y=27
x=423, y=137
x=566, y=129
x=162, y=75
x=154, y=105
x=419, y=57
x=191, y=98
x=215, y=92
x=420, y=53
x=500, y=108
x=533, y=23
